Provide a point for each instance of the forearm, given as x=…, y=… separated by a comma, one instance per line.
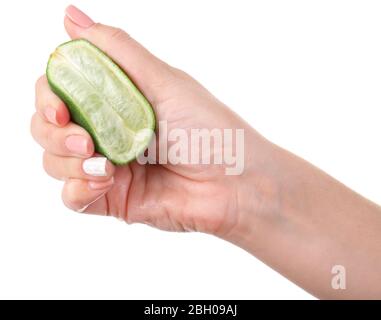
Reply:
x=306, y=222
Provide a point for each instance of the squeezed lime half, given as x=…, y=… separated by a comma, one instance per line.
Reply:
x=102, y=99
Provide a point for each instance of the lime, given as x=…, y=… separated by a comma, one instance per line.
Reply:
x=102, y=99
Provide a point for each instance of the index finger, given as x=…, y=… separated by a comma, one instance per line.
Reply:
x=50, y=106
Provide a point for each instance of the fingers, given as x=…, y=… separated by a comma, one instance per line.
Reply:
x=64, y=168
x=147, y=71
x=48, y=105
x=71, y=140
x=78, y=195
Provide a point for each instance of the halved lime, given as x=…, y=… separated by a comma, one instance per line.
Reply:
x=102, y=99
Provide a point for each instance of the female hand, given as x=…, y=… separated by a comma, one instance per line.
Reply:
x=172, y=197
x=285, y=211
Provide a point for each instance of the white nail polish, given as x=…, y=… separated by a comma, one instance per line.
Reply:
x=95, y=166
x=82, y=210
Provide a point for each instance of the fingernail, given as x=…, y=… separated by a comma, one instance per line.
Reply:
x=77, y=144
x=97, y=185
x=78, y=17
x=95, y=166
x=51, y=115
x=83, y=209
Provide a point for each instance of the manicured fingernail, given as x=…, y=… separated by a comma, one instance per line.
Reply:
x=97, y=185
x=51, y=115
x=82, y=210
x=95, y=166
x=78, y=17
x=78, y=145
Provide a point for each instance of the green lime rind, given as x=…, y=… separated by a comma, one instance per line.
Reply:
x=102, y=99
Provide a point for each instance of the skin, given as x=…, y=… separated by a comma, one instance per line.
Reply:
x=283, y=210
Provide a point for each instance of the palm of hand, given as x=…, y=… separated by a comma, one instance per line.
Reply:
x=180, y=197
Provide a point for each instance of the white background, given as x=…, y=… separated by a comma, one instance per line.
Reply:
x=306, y=74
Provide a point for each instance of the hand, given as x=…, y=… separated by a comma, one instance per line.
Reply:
x=179, y=197
x=288, y=213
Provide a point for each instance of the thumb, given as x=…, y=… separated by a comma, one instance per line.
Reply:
x=148, y=72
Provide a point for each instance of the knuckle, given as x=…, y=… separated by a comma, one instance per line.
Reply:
x=39, y=82
x=97, y=27
x=45, y=162
x=119, y=34
x=33, y=126
x=49, y=137
x=71, y=197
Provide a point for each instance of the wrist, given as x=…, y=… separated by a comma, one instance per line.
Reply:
x=258, y=193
